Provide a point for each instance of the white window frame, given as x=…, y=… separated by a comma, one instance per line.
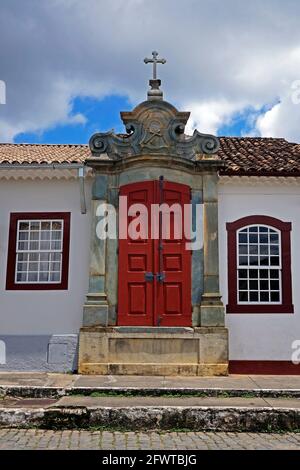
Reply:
x=49, y=251
x=258, y=267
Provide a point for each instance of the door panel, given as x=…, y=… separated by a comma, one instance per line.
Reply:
x=135, y=294
x=152, y=303
x=174, y=293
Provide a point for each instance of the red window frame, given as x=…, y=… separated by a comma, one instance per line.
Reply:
x=285, y=228
x=11, y=256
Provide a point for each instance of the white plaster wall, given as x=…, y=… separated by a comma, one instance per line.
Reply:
x=45, y=312
x=261, y=336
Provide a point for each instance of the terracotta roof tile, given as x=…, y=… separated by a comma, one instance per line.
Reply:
x=259, y=156
x=242, y=155
x=42, y=153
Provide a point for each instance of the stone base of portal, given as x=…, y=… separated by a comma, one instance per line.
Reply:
x=201, y=351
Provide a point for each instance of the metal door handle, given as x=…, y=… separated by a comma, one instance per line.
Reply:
x=160, y=277
x=149, y=277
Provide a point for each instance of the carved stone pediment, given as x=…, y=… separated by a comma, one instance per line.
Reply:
x=153, y=127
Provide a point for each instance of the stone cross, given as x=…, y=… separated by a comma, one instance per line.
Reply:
x=154, y=61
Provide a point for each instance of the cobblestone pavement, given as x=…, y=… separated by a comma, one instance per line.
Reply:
x=40, y=439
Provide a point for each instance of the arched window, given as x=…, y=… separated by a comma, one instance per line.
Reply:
x=259, y=266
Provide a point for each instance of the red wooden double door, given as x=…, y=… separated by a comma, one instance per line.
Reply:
x=154, y=283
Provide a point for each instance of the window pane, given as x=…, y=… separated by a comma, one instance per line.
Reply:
x=264, y=296
x=275, y=297
x=21, y=277
x=34, y=225
x=32, y=277
x=253, y=249
x=253, y=260
x=254, y=285
x=264, y=249
x=243, y=296
x=264, y=285
x=55, y=277
x=243, y=238
x=274, y=274
x=264, y=273
x=253, y=296
x=56, y=225
x=45, y=225
x=263, y=238
x=274, y=250
x=274, y=260
x=243, y=249
x=253, y=238
x=243, y=273
x=45, y=235
x=259, y=246
x=45, y=245
x=243, y=285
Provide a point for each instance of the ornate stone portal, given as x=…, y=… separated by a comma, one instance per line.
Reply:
x=154, y=146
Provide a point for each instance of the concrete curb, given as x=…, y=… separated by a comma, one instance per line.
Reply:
x=227, y=419
x=21, y=391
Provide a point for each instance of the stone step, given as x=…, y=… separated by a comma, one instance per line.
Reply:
x=153, y=413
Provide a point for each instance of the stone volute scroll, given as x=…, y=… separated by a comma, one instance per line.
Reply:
x=153, y=127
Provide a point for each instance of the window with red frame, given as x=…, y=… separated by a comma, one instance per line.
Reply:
x=259, y=266
x=38, y=251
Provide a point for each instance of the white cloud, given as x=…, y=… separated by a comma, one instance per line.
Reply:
x=282, y=120
x=211, y=115
x=222, y=57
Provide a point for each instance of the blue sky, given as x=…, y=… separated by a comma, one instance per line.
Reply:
x=103, y=115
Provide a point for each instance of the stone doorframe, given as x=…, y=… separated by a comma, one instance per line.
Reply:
x=100, y=308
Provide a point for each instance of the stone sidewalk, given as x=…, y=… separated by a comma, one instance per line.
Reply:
x=65, y=384
x=18, y=439
x=132, y=403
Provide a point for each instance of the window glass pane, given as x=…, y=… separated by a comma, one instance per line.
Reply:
x=264, y=285
x=274, y=250
x=264, y=296
x=274, y=260
x=259, y=247
x=253, y=296
x=243, y=238
x=243, y=249
x=45, y=235
x=35, y=225
x=254, y=285
x=32, y=277
x=243, y=273
x=253, y=238
x=275, y=297
x=243, y=285
x=264, y=249
x=45, y=245
x=253, y=249
x=274, y=274
x=274, y=238
x=243, y=296
x=253, y=260
x=45, y=225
